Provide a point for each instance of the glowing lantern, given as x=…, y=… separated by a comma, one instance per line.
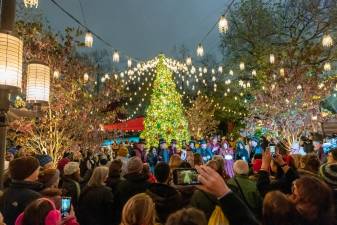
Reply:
x=56, y=74
x=223, y=24
x=200, y=51
x=129, y=62
x=86, y=77
x=115, y=56
x=38, y=82
x=272, y=58
x=254, y=73
x=10, y=61
x=220, y=70
x=282, y=72
x=188, y=61
x=242, y=66
x=89, y=39
x=231, y=73
x=327, y=41
x=31, y=3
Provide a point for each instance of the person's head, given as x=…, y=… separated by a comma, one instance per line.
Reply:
x=72, y=170
x=140, y=209
x=24, y=168
x=311, y=163
x=213, y=164
x=214, y=140
x=162, y=143
x=9, y=156
x=313, y=199
x=220, y=162
x=317, y=144
x=40, y=211
x=54, y=194
x=173, y=143
x=134, y=165
x=122, y=151
x=175, y=161
x=197, y=159
x=99, y=176
x=332, y=156
x=189, y=216
x=141, y=144
x=328, y=173
x=50, y=178
x=203, y=144
x=225, y=144
x=241, y=167
x=115, y=168
x=278, y=209
x=192, y=144
x=162, y=172
x=153, y=150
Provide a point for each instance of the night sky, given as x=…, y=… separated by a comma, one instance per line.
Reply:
x=143, y=28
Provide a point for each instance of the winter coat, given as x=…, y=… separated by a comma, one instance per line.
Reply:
x=133, y=184
x=95, y=206
x=186, y=193
x=236, y=211
x=17, y=197
x=206, y=154
x=166, y=198
x=249, y=195
x=283, y=184
x=71, y=188
x=113, y=182
x=204, y=201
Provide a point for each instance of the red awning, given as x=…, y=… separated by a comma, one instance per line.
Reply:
x=136, y=124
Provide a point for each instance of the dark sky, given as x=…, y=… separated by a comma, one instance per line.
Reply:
x=143, y=28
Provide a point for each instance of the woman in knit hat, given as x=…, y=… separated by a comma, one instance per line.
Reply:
x=71, y=179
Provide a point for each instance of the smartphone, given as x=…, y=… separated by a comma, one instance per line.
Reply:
x=65, y=206
x=186, y=176
x=272, y=149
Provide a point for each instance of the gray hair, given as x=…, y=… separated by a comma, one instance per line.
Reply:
x=241, y=167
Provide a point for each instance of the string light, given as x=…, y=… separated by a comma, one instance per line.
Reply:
x=56, y=74
x=89, y=39
x=327, y=66
x=86, y=77
x=220, y=69
x=188, y=61
x=231, y=73
x=254, y=73
x=242, y=66
x=272, y=58
x=223, y=24
x=282, y=72
x=129, y=62
x=200, y=50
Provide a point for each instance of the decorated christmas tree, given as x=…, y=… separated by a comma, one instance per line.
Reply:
x=165, y=116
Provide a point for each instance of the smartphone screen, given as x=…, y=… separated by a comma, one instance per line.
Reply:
x=272, y=149
x=185, y=177
x=65, y=206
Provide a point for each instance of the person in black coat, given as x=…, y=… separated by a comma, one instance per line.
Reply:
x=96, y=200
x=135, y=182
x=285, y=175
x=71, y=182
x=166, y=198
x=23, y=189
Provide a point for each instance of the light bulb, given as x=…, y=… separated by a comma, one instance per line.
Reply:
x=200, y=50
x=223, y=24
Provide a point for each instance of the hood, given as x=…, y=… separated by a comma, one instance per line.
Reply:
x=162, y=192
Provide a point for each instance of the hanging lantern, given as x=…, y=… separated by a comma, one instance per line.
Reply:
x=129, y=62
x=272, y=58
x=38, y=83
x=115, y=56
x=231, y=73
x=56, y=74
x=193, y=70
x=31, y=3
x=242, y=66
x=106, y=76
x=89, y=39
x=86, y=77
x=327, y=66
x=220, y=69
x=200, y=50
x=299, y=87
x=282, y=72
x=10, y=61
x=103, y=79
x=223, y=24
x=254, y=73
x=327, y=41
x=188, y=61
x=204, y=70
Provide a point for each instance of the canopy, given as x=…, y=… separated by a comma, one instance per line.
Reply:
x=136, y=124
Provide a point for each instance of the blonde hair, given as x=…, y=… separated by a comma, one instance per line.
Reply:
x=140, y=209
x=175, y=161
x=99, y=176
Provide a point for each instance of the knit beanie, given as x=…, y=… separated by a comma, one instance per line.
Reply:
x=71, y=168
x=49, y=177
x=328, y=173
x=44, y=159
x=134, y=165
x=23, y=167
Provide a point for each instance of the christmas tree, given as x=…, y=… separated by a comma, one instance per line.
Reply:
x=165, y=116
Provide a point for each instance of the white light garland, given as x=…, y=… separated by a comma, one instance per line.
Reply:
x=89, y=39
x=327, y=40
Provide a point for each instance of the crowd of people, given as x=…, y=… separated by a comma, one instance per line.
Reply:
x=241, y=182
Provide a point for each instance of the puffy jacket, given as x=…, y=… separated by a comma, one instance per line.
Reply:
x=17, y=197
